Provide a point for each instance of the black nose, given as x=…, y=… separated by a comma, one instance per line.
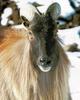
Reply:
x=45, y=61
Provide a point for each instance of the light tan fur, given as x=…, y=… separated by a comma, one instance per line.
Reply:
x=20, y=79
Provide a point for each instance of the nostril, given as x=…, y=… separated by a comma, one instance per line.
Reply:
x=45, y=60
x=48, y=62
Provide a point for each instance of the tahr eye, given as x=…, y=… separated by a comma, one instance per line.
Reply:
x=25, y=21
x=26, y=24
x=30, y=32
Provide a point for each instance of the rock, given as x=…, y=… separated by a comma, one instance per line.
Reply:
x=72, y=48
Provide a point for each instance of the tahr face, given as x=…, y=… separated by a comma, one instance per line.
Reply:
x=44, y=43
x=44, y=39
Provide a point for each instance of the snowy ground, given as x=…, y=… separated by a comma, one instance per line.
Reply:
x=68, y=36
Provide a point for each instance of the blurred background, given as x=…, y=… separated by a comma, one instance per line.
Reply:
x=68, y=25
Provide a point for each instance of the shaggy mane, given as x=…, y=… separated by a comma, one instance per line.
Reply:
x=20, y=79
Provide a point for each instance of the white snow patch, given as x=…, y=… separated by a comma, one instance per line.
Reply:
x=4, y=21
x=4, y=18
x=11, y=22
x=26, y=9
x=70, y=36
x=76, y=96
x=74, y=80
x=65, y=6
x=7, y=12
x=66, y=9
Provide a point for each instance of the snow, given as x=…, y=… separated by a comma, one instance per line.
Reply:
x=4, y=18
x=7, y=12
x=65, y=6
x=70, y=36
x=29, y=14
x=74, y=80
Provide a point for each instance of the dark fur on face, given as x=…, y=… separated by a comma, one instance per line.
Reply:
x=46, y=27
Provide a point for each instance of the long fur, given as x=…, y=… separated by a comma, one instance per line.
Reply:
x=20, y=79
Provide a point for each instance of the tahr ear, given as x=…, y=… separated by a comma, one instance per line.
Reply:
x=54, y=10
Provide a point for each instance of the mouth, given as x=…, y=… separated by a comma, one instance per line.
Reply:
x=45, y=68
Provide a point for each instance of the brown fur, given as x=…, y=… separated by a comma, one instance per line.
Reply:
x=20, y=79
